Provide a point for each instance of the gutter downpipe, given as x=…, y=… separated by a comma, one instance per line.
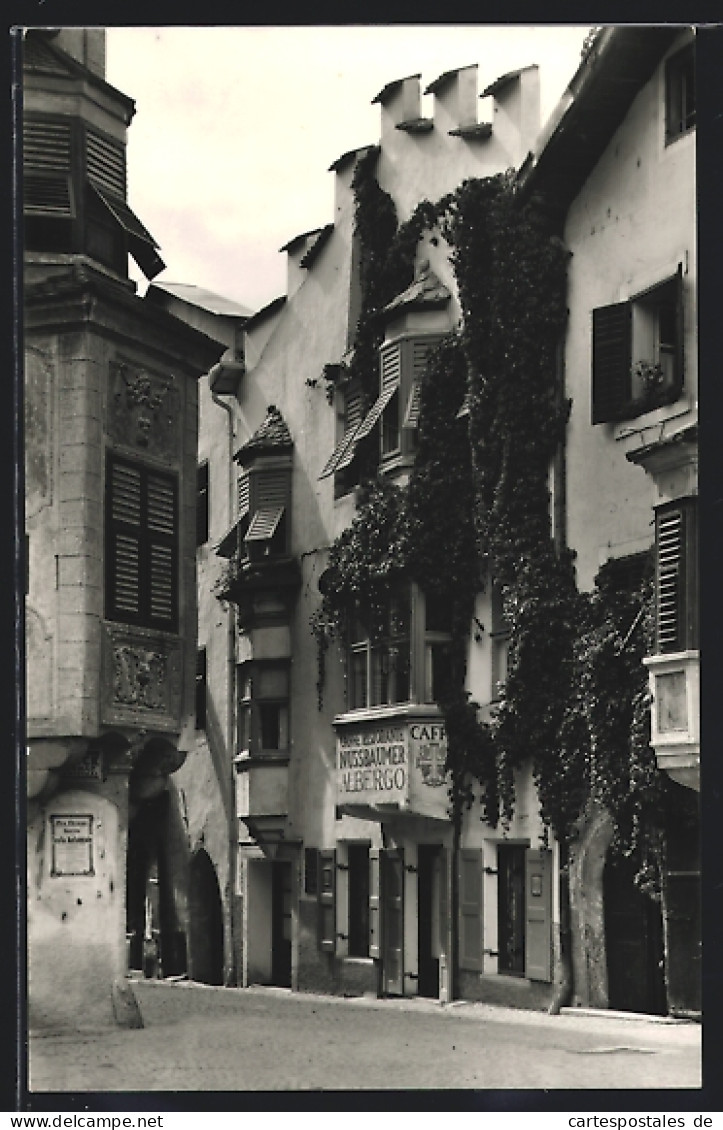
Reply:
x=231, y=656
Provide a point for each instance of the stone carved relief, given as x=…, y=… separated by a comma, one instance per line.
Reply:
x=143, y=409
x=39, y=438
x=140, y=678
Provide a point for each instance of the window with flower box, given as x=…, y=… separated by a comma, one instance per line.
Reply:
x=637, y=352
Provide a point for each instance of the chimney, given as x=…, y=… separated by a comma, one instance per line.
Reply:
x=455, y=99
x=87, y=45
x=400, y=102
x=516, y=101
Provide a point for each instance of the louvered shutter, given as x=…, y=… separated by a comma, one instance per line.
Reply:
x=611, y=361
x=161, y=519
x=327, y=899
x=105, y=162
x=141, y=546
x=470, y=910
x=675, y=578
x=269, y=498
x=125, y=538
x=47, y=186
x=538, y=907
x=244, y=494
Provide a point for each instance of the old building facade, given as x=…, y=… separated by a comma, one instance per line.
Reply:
x=349, y=874
x=110, y=445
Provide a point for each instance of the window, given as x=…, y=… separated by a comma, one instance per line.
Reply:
x=263, y=709
x=141, y=545
x=311, y=870
x=202, y=504
x=267, y=533
x=676, y=625
x=637, y=353
x=201, y=689
x=679, y=94
x=499, y=642
x=437, y=638
x=511, y=909
x=396, y=409
x=379, y=670
x=358, y=862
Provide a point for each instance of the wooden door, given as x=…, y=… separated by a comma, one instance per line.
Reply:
x=633, y=942
x=511, y=909
x=393, y=923
x=428, y=918
x=281, y=924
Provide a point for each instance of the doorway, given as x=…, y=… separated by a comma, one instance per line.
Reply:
x=633, y=942
x=281, y=924
x=392, y=877
x=511, y=909
x=206, y=921
x=428, y=911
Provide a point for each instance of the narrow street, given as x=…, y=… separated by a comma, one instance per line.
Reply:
x=198, y=1038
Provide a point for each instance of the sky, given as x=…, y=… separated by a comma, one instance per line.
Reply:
x=236, y=127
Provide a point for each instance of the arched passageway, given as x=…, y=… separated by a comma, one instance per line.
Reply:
x=206, y=922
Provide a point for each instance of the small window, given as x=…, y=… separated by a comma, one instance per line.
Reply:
x=202, y=504
x=201, y=689
x=679, y=94
x=263, y=709
x=637, y=353
x=499, y=643
x=437, y=639
x=311, y=871
x=379, y=670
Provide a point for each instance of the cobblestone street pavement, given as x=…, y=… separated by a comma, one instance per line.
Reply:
x=198, y=1038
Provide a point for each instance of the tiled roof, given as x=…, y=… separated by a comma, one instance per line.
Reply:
x=426, y=290
x=271, y=435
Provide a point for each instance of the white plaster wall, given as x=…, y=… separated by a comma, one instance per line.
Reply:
x=630, y=226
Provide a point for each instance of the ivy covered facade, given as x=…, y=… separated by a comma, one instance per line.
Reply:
x=463, y=452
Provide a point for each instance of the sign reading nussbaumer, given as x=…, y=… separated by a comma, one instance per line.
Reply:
x=390, y=762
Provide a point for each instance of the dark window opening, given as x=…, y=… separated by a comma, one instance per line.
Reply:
x=511, y=909
x=358, y=858
x=679, y=94
x=201, y=689
x=202, y=507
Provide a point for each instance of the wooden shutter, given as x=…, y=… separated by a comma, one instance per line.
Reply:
x=244, y=494
x=470, y=909
x=327, y=901
x=679, y=330
x=161, y=563
x=47, y=184
x=124, y=549
x=375, y=903
x=105, y=163
x=611, y=360
x=141, y=546
x=675, y=577
x=443, y=905
x=538, y=919
x=202, y=504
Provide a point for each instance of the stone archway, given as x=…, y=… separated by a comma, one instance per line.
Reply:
x=206, y=921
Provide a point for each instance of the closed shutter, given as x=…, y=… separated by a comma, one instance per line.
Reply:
x=675, y=578
x=611, y=360
x=679, y=330
x=327, y=900
x=161, y=519
x=47, y=187
x=538, y=925
x=421, y=348
x=470, y=910
x=125, y=534
x=202, y=508
x=375, y=905
x=141, y=546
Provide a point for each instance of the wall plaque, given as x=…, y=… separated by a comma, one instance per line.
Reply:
x=72, y=845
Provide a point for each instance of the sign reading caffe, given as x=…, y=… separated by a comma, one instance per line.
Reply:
x=394, y=762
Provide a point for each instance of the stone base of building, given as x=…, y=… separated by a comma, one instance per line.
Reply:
x=511, y=992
